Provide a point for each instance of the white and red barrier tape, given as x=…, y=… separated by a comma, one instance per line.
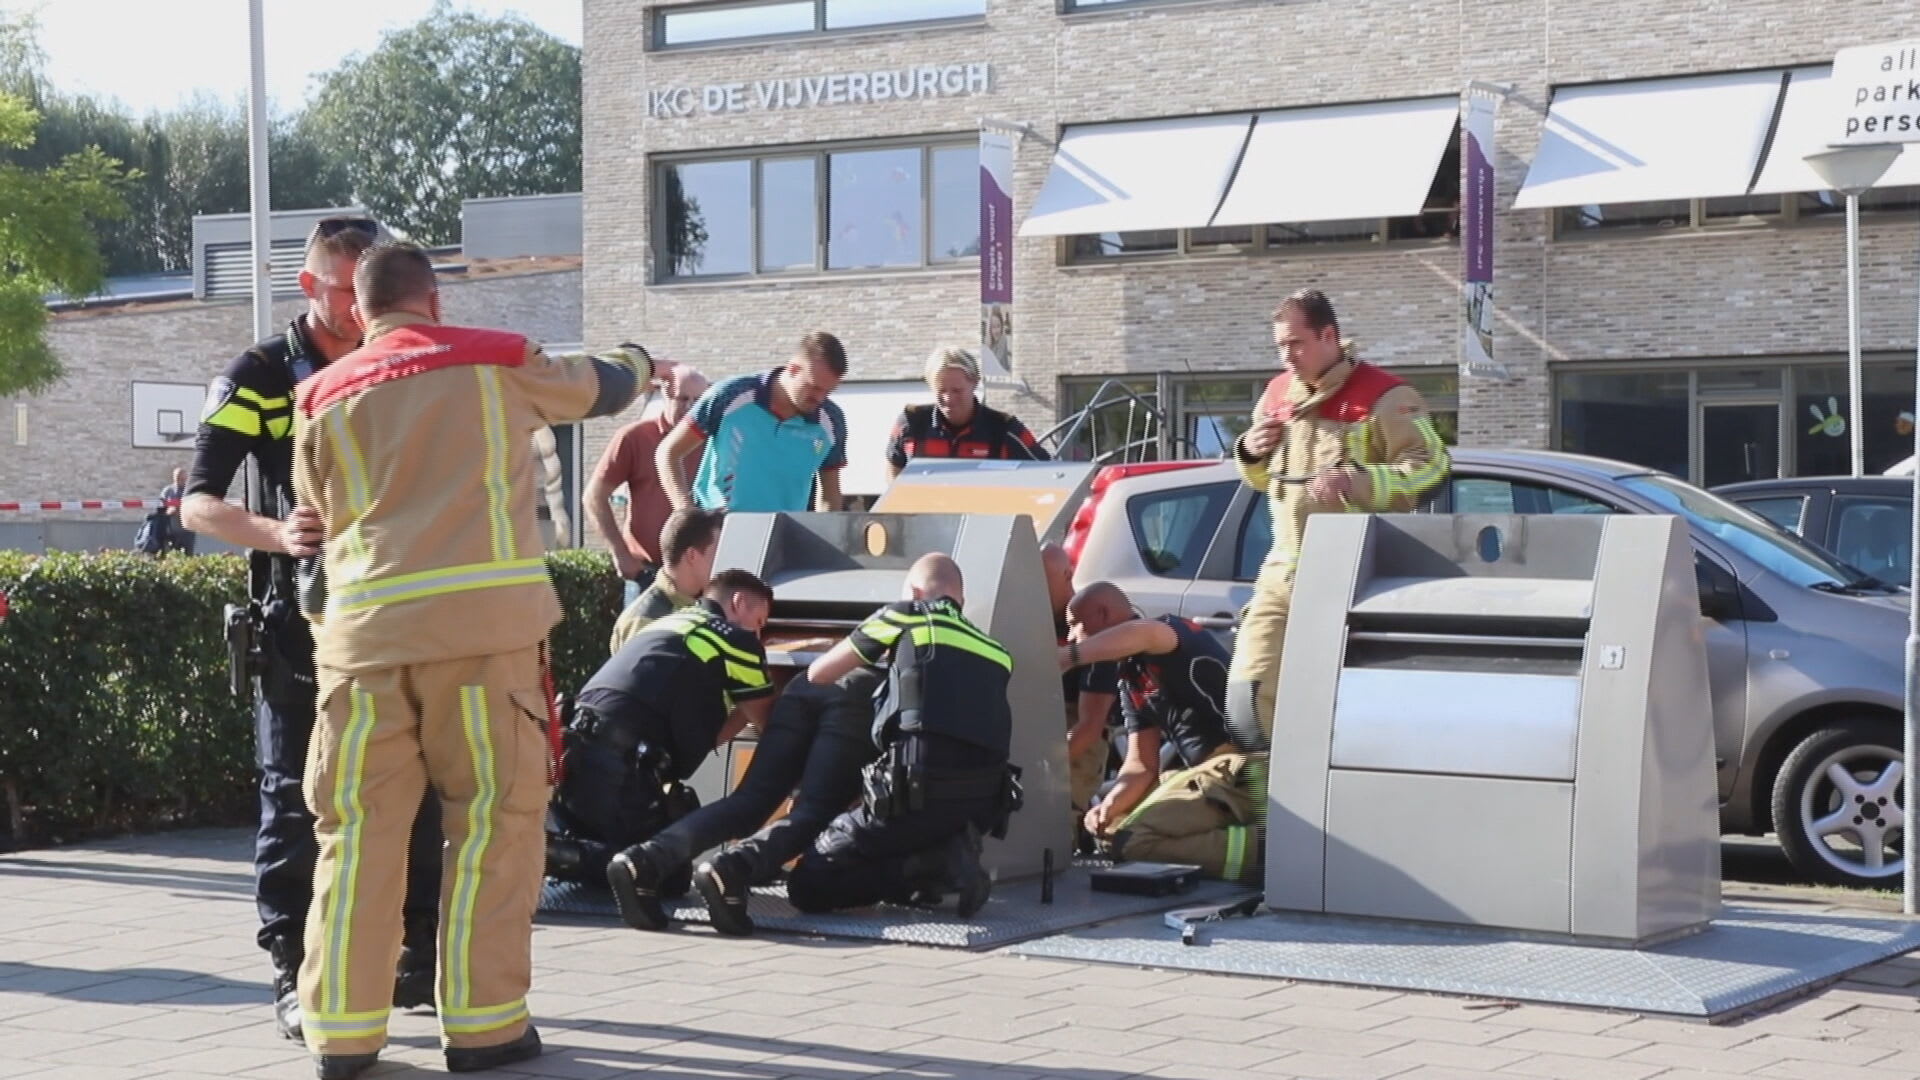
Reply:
x=43, y=505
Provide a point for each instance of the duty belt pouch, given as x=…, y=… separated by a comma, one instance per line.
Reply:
x=1012, y=798
x=243, y=648
x=285, y=681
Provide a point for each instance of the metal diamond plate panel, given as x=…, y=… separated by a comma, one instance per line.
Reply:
x=1014, y=913
x=1746, y=958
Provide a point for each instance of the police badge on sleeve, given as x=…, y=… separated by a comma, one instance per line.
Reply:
x=219, y=392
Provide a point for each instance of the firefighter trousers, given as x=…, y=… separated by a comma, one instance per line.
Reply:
x=1212, y=815
x=1255, y=670
x=474, y=729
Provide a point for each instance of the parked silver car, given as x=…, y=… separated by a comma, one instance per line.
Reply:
x=1804, y=651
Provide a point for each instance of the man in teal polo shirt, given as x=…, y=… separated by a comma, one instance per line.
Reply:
x=765, y=438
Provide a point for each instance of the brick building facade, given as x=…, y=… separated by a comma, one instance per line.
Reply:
x=1729, y=302
x=75, y=441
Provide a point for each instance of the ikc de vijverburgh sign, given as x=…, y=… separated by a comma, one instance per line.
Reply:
x=920, y=82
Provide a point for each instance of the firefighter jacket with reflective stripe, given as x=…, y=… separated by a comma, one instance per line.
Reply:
x=416, y=449
x=1357, y=418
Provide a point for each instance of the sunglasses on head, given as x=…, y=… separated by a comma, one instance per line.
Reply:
x=326, y=228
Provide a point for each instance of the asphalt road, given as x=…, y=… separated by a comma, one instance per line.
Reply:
x=1754, y=868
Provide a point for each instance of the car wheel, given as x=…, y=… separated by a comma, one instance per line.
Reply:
x=1838, y=804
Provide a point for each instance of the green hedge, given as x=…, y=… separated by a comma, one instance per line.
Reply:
x=114, y=706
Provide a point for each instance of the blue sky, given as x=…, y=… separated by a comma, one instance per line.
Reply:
x=154, y=54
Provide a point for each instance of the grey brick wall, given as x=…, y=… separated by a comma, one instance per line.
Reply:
x=79, y=433
x=1756, y=292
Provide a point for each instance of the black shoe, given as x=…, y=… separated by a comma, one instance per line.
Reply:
x=343, y=1066
x=636, y=889
x=413, y=983
x=480, y=1058
x=723, y=885
x=286, y=988
x=966, y=874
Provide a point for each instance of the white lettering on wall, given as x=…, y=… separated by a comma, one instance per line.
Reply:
x=925, y=82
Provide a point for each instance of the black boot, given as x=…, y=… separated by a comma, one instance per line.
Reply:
x=413, y=980
x=343, y=1066
x=479, y=1058
x=636, y=877
x=965, y=874
x=286, y=954
x=723, y=884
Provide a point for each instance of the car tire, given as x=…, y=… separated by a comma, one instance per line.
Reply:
x=1845, y=763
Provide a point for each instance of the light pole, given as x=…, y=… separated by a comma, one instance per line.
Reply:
x=1852, y=170
x=257, y=173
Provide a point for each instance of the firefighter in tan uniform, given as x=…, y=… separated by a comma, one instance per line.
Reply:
x=430, y=618
x=1330, y=434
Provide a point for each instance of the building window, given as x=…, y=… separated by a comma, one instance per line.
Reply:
x=1735, y=210
x=708, y=23
x=860, y=208
x=1723, y=423
x=1437, y=222
x=1206, y=412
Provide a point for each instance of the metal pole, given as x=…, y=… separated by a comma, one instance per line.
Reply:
x=1856, y=427
x=257, y=174
x=1910, y=806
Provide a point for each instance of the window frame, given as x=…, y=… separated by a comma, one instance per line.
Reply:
x=659, y=13
x=1218, y=494
x=1789, y=216
x=1074, y=7
x=662, y=274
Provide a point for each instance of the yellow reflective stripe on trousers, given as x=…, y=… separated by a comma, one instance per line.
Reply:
x=1236, y=852
x=457, y=955
x=493, y=424
x=377, y=592
x=346, y=1025
x=460, y=1021
x=349, y=771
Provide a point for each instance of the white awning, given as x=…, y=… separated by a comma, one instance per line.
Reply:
x=871, y=408
x=1379, y=160
x=1698, y=137
x=1809, y=105
x=1150, y=174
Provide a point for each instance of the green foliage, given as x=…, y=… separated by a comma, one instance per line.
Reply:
x=47, y=219
x=114, y=704
x=456, y=106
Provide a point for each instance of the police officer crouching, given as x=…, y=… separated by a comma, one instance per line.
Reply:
x=685, y=684
x=944, y=727
x=249, y=414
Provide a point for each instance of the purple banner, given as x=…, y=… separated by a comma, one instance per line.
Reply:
x=996, y=254
x=1476, y=235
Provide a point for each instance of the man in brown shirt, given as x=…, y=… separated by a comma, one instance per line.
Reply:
x=629, y=461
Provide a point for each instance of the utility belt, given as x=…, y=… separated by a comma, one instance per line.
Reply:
x=257, y=661
x=899, y=784
x=616, y=781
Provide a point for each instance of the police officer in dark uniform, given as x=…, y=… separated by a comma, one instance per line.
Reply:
x=688, y=682
x=817, y=737
x=249, y=413
x=944, y=728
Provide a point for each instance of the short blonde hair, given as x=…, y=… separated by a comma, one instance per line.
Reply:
x=959, y=359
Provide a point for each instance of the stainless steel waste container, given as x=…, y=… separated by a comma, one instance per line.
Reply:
x=1496, y=720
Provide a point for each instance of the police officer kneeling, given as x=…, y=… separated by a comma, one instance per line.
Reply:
x=685, y=684
x=944, y=728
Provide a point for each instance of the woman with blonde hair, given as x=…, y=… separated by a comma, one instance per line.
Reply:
x=956, y=424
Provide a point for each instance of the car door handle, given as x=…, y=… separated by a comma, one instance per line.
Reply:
x=1219, y=620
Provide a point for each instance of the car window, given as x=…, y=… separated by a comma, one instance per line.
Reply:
x=1488, y=495
x=1256, y=539
x=1753, y=536
x=1874, y=534
x=1783, y=510
x=1173, y=528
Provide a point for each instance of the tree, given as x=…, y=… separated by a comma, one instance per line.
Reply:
x=456, y=106
x=47, y=218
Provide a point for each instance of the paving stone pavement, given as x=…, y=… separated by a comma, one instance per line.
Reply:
x=135, y=959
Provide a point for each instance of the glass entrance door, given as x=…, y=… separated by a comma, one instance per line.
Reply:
x=1739, y=441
